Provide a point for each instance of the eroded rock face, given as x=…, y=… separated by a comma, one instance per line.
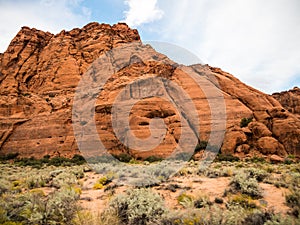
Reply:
x=290, y=100
x=259, y=130
x=38, y=75
x=40, y=71
x=283, y=125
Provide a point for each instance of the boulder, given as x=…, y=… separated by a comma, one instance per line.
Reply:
x=233, y=138
x=244, y=148
x=276, y=159
x=259, y=130
x=269, y=145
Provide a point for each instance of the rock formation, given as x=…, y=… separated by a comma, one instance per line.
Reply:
x=39, y=73
x=290, y=100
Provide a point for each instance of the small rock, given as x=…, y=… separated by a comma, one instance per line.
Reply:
x=219, y=200
x=89, y=199
x=87, y=169
x=276, y=159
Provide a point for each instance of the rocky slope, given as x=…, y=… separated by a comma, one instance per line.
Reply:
x=40, y=71
x=290, y=100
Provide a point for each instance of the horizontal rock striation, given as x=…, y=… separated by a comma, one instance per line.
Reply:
x=39, y=73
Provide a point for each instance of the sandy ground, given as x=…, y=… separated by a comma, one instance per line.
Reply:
x=97, y=200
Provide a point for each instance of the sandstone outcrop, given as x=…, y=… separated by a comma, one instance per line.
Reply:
x=38, y=75
x=290, y=100
x=40, y=71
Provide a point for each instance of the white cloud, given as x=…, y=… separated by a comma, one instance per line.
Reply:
x=142, y=11
x=47, y=15
x=257, y=41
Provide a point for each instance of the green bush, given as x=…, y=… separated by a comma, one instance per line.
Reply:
x=245, y=121
x=29, y=162
x=46, y=160
x=226, y=157
x=201, y=146
x=153, y=158
x=138, y=207
x=256, y=159
x=9, y=156
x=124, y=157
x=58, y=161
x=78, y=159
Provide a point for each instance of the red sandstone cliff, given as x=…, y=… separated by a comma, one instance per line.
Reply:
x=40, y=71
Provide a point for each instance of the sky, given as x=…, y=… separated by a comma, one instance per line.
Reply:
x=256, y=41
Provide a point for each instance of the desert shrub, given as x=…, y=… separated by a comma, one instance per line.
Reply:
x=101, y=159
x=79, y=173
x=245, y=121
x=288, y=161
x=138, y=207
x=244, y=183
x=293, y=198
x=64, y=179
x=226, y=157
x=59, y=207
x=218, y=172
x=36, y=208
x=278, y=219
x=31, y=182
x=29, y=162
x=212, y=215
x=124, y=157
x=202, y=201
x=108, y=217
x=46, y=160
x=185, y=200
x=58, y=161
x=256, y=159
x=293, y=201
x=78, y=159
x=100, y=184
x=9, y=156
x=258, y=174
x=244, y=201
x=5, y=186
x=153, y=158
x=201, y=146
x=134, y=161
x=184, y=172
x=258, y=218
